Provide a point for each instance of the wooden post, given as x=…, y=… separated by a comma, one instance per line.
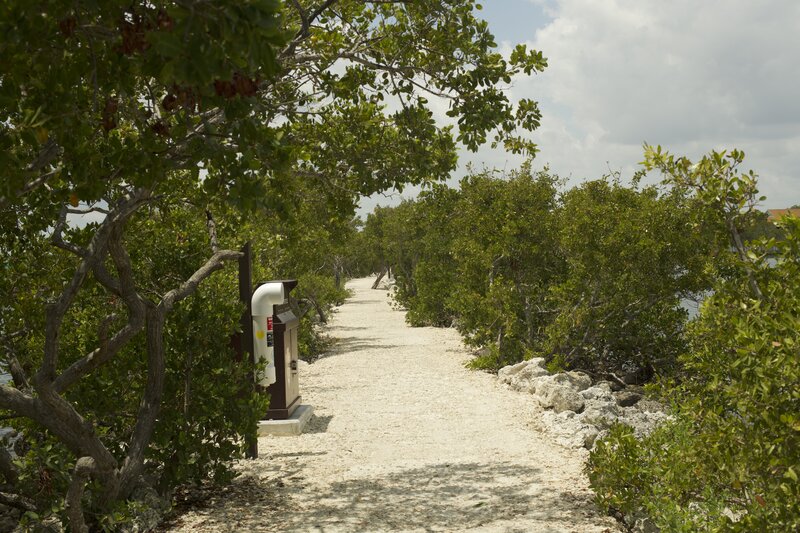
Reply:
x=246, y=339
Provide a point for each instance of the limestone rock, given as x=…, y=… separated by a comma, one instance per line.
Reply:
x=616, y=386
x=563, y=399
x=506, y=373
x=590, y=435
x=568, y=430
x=525, y=378
x=578, y=413
x=578, y=380
x=651, y=406
x=599, y=391
x=601, y=414
x=643, y=422
x=562, y=391
x=627, y=398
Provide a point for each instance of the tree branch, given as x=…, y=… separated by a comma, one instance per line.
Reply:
x=136, y=318
x=57, y=239
x=305, y=25
x=83, y=470
x=104, y=277
x=100, y=355
x=216, y=262
x=17, y=501
x=212, y=231
x=60, y=417
x=17, y=401
x=94, y=254
x=73, y=211
x=18, y=374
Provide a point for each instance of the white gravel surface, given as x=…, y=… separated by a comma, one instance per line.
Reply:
x=404, y=438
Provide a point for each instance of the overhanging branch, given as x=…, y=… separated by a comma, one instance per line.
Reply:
x=94, y=254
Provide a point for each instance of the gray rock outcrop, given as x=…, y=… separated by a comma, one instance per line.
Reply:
x=578, y=412
x=561, y=392
x=523, y=376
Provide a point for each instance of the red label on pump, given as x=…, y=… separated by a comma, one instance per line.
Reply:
x=269, y=323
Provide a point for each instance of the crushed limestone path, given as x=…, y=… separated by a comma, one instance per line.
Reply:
x=404, y=438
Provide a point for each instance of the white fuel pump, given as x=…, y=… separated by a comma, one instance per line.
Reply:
x=263, y=302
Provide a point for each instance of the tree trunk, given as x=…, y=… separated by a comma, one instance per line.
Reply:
x=500, y=337
x=337, y=272
x=83, y=469
x=320, y=311
x=382, y=273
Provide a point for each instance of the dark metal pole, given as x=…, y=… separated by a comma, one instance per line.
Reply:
x=246, y=339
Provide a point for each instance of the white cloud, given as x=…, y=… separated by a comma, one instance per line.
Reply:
x=690, y=76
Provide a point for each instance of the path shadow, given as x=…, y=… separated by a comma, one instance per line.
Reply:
x=344, y=345
x=273, y=456
x=318, y=424
x=451, y=497
x=350, y=328
x=363, y=302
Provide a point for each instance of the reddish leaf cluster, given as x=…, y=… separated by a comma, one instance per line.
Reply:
x=133, y=28
x=164, y=21
x=67, y=26
x=185, y=97
x=110, y=114
x=241, y=85
x=159, y=127
x=45, y=481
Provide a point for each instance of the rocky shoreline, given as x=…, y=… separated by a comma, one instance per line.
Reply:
x=576, y=411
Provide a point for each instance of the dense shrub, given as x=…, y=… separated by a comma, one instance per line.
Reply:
x=506, y=258
x=435, y=271
x=203, y=419
x=729, y=461
x=631, y=255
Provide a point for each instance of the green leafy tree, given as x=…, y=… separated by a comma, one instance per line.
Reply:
x=505, y=251
x=726, y=197
x=477, y=257
x=729, y=460
x=374, y=247
x=169, y=124
x=400, y=230
x=434, y=274
x=631, y=255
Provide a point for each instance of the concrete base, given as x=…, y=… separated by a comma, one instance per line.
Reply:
x=283, y=428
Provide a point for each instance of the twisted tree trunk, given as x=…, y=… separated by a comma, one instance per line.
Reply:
x=42, y=400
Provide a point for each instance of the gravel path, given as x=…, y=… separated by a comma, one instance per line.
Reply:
x=404, y=438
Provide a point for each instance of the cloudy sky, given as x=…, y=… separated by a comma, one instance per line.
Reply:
x=691, y=76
